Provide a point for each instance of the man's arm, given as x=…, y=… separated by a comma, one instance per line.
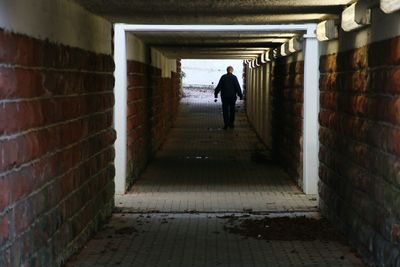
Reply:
x=218, y=88
x=238, y=89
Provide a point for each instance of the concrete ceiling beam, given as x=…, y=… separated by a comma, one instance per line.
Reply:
x=207, y=52
x=176, y=47
x=211, y=56
x=211, y=6
x=225, y=19
x=214, y=12
x=222, y=43
x=180, y=54
x=205, y=28
x=216, y=49
x=230, y=34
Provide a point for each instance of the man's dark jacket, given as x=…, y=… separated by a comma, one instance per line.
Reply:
x=229, y=87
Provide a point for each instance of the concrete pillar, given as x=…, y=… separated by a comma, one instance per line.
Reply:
x=120, y=108
x=265, y=103
x=311, y=110
x=262, y=88
x=252, y=93
x=259, y=84
x=260, y=100
x=248, y=90
x=255, y=100
x=256, y=96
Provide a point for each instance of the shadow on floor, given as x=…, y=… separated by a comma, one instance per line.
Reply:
x=195, y=202
x=205, y=168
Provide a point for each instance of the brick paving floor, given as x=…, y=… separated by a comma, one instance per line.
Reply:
x=177, y=204
x=205, y=168
x=183, y=240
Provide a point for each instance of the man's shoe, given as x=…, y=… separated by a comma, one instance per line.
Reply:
x=232, y=126
x=225, y=127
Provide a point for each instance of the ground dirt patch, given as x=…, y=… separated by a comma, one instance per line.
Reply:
x=285, y=229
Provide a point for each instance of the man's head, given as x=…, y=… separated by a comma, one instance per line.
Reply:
x=229, y=69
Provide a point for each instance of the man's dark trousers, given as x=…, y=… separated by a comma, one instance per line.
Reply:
x=228, y=111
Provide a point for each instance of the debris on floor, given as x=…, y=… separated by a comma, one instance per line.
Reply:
x=206, y=239
x=285, y=229
x=211, y=208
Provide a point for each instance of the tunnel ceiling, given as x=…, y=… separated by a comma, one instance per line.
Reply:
x=215, y=45
x=214, y=12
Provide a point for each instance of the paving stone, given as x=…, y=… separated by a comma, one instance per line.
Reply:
x=184, y=199
x=200, y=240
x=202, y=167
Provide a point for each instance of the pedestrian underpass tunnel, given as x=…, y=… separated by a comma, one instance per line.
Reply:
x=93, y=119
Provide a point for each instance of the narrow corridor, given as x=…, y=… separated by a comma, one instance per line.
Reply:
x=103, y=163
x=202, y=182
x=206, y=169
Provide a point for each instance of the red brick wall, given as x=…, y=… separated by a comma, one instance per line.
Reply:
x=152, y=106
x=360, y=147
x=56, y=149
x=287, y=115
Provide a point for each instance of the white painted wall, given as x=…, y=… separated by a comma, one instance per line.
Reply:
x=383, y=26
x=208, y=72
x=137, y=50
x=60, y=21
x=159, y=61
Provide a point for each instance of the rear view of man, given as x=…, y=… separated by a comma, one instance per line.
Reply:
x=229, y=87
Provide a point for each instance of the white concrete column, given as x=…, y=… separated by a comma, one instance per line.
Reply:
x=265, y=103
x=260, y=100
x=260, y=96
x=251, y=106
x=255, y=102
x=259, y=84
x=256, y=83
x=311, y=110
x=120, y=108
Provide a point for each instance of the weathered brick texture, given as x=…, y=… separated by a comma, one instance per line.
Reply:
x=152, y=107
x=56, y=149
x=287, y=115
x=360, y=147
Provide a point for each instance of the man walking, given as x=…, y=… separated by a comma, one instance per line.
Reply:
x=229, y=87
